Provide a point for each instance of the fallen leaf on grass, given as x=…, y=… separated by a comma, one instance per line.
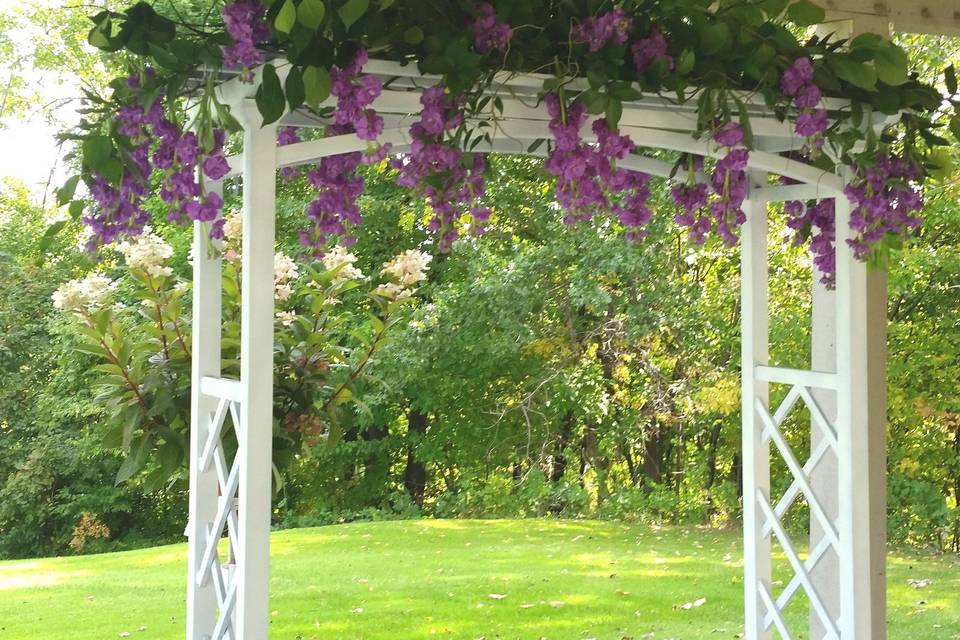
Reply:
x=922, y=583
x=556, y=604
x=356, y=610
x=699, y=602
x=497, y=596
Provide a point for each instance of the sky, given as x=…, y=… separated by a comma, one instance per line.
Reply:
x=28, y=146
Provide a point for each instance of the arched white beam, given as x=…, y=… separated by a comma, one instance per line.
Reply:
x=515, y=137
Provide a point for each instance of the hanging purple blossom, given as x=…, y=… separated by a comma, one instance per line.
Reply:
x=596, y=32
x=244, y=22
x=436, y=168
x=648, y=50
x=797, y=82
x=490, y=34
x=285, y=136
x=885, y=199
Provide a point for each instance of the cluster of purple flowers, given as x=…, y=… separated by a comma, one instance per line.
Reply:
x=436, y=168
x=355, y=93
x=587, y=174
x=177, y=154
x=244, y=22
x=597, y=31
x=884, y=201
x=797, y=83
x=335, y=208
x=816, y=221
x=648, y=50
x=288, y=135
x=490, y=34
x=728, y=182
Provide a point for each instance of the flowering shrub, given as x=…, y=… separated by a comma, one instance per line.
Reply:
x=716, y=55
x=332, y=320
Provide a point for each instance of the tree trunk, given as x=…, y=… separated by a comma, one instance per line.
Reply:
x=559, y=466
x=652, y=452
x=415, y=475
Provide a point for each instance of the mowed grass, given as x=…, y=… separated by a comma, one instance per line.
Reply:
x=452, y=579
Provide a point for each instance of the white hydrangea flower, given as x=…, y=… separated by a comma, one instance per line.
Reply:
x=393, y=291
x=410, y=267
x=182, y=287
x=87, y=294
x=233, y=227
x=286, y=318
x=285, y=271
x=147, y=253
x=283, y=291
x=338, y=256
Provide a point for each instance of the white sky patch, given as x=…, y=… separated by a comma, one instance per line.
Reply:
x=28, y=147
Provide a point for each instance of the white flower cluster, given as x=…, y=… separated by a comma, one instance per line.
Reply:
x=147, y=253
x=233, y=227
x=85, y=295
x=410, y=267
x=406, y=269
x=340, y=257
x=286, y=318
x=284, y=272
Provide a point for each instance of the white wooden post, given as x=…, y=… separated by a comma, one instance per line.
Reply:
x=823, y=476
x=201, y=599
x=861, y=552
x=256, y=375
x=756, y=450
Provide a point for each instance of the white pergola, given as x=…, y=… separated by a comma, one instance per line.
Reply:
x=841, y=477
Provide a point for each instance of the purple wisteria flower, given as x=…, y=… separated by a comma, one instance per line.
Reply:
x=490, y=34
x=885, y=200
x=648, y=50
x=285, y=136
x=797, y=82
x=244, y=22
x=436, y=168
x=178, y=155
x=596, y=32
x=588, y=180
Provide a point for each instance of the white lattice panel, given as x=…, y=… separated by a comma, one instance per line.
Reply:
x=221, y=572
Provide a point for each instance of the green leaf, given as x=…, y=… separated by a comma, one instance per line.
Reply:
x=136, y=458
x=310, y=13
x=65, y=193
x=891, y=63
x=286, y=18
x=316, y=85
x=76, y=209
x=950, y=78
x=294, y=89
x=857, y=74
x=352, y=11
x=270, y=100
x=413, y=35
x=685, y=64
x=97, y=150
x=613, y=112
x=804, y=13
x=714, y=38
x=50, y=234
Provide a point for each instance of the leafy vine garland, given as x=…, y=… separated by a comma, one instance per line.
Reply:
x=165, y=125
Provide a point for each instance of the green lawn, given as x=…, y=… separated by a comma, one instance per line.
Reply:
x=451, y=579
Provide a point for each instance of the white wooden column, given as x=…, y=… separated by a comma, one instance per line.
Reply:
x=256, y=375
x=860, y=432
x=206, y=327
x=823, y=476
x=756, y=449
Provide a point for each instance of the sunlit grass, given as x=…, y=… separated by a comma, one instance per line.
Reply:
x=452, y=579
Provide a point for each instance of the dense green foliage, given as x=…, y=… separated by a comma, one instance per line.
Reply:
x=544, y=370
x=492, y=579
